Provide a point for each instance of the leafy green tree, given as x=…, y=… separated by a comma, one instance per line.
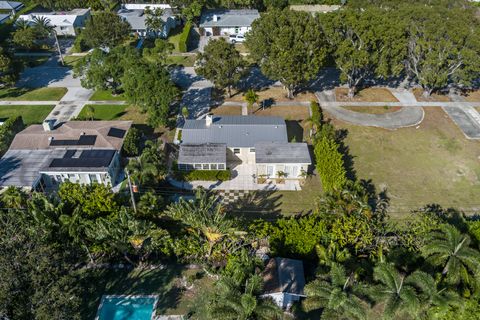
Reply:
x=221, y=63
x=337, y=293
x=192, y=11
x=153, y=20
x=160, y=52
x=149, y=168
x=251, y=98
x=206, y=215
x=8, y=71
x=151, y=204
x=132, y=143
x=8, y=131
x=25, y=38
x=450, y=250
x=42, y=26
x=330, y=164
x=104, y=71
x=92, y=200
x=14, y=198
x=185, y=113
x=395, y=291
x=365, y=42
x=106, y=30
x=289, y=46
x=149, y=86
x=442, y=53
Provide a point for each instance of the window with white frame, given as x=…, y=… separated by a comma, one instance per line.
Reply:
x=252, y=150
x=205, y=166
x=221, y=166
x=213, y=166
x=236, y=150
x=197, y=166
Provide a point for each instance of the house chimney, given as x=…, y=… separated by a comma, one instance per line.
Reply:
x=215, y=18
x=209, y=120
x=48, y=125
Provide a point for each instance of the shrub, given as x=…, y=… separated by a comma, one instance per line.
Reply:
x=8, y=131
x=204, y=175
x=131, y=145
x=183, y=41
x=330, y=165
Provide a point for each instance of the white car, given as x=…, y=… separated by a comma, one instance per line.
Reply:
x=236, y=38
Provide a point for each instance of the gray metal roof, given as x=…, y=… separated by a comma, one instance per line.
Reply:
x=10, y=5
x=282, y=153
x=235, y=131
x=136, y=17
x=228, y=18
x=203, y=153
x=284, y=275
x=4, y=16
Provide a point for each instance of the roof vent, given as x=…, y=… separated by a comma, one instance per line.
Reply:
x=48, y=125
x=208, y=120
x=50, y=138
x=215, y=18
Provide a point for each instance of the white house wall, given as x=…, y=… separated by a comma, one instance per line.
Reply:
x=226, y=31
x=262, y=169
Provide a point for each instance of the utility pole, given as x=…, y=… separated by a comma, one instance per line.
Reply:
x=58, y=47
x=131, y=191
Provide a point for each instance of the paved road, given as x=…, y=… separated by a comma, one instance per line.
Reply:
x=405, y=117
x=465, y=116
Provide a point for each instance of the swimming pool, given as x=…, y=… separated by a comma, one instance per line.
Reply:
x=127, y=308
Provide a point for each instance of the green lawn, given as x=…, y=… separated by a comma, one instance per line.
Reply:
x=71, y=61
x=174, y=37
x=433, y=163
x=103, y=112
x=106, y=95
x=173, y=297
x=28, y=94
x=186, y=61
x=30, y=114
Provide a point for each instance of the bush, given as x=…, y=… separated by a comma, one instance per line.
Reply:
x=131, y=145
x=330, y=164
x=80, y=44
x=8, y=131
x=204, y=175
x=183, y=41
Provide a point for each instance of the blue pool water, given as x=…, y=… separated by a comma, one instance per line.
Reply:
x=127, y=308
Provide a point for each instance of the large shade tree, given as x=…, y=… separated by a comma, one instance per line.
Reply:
x=105, y=30
x=289, y=46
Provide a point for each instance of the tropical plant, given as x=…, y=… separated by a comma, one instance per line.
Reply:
x=149, y=168
x=154, y=21
x=251, y=97
x=337, y=293
x=43, y=26
x=450, y=250
x=14, y=198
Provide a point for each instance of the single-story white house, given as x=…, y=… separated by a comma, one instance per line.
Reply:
x=216, y=142
x=284, y=281
x=135, y=15
x=64, y=22
x=221, y=22
x=41, y=157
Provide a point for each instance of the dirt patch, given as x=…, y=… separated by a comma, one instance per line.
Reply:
x=437, y=97
x=274, y=94
x=373, y=110
x=227, y=111
x=366, y=95
x=472, y=96
x=288, y=113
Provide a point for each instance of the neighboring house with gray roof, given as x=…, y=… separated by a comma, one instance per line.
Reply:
x=137, y=20
x=217, y=141
x=223, y=22
x=41, y=157
x=284, y=281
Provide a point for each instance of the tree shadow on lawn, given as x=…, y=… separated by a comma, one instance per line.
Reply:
x=13, y=92
x=258, y=204
x=294, y=130
x=99, y=282
x=348, y=158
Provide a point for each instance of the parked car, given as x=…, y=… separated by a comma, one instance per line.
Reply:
x=234, y=38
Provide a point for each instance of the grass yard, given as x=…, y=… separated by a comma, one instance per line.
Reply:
x=174, y=37
x=106, y=95
x=186, y=61
x=167, y=283
x=275, y=94
x=437, y=97
x=227, y=111
x=286, y=112
x=473, y=96
x=30, y=114
x=373, y=110
x=102, y=112
x=431, y=164
x=71, y=61
x=366, y=95
x=28, y=94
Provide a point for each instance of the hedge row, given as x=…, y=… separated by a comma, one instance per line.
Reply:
x=330, y=164
x=8, y=131
x=183, y=41
x=204, y=175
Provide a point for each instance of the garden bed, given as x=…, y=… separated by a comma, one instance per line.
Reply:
x=365, y=95
x=373, y=110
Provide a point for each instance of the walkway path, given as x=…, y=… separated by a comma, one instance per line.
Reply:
x=405, y=117
x=465, y=116
x=70, y=105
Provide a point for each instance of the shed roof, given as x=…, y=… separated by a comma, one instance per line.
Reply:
x=282, y=153
x=228, y=18
x=235, y=131
x=284, y=275
x=203, y=153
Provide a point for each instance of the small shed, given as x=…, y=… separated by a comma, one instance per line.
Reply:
x=284, y=281
x=207, y=156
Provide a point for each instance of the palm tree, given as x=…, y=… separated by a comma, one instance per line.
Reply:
x=149, y=168
x=337, y=294
x=14, y=198
x=241, y=301
x=43, y=26
x=22, y=24
x=153, y=20
x=251, y=98
x=205, y=214
x=434, y=300
x=395, y=292
x=449, y=249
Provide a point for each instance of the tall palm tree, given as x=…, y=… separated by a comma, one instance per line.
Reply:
x=241, y=301
x=449, y=249
x=43, y=26
x=205, y=214
x=149, y=168
x=22, y=24
x=395, y=291
x=337, y=294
